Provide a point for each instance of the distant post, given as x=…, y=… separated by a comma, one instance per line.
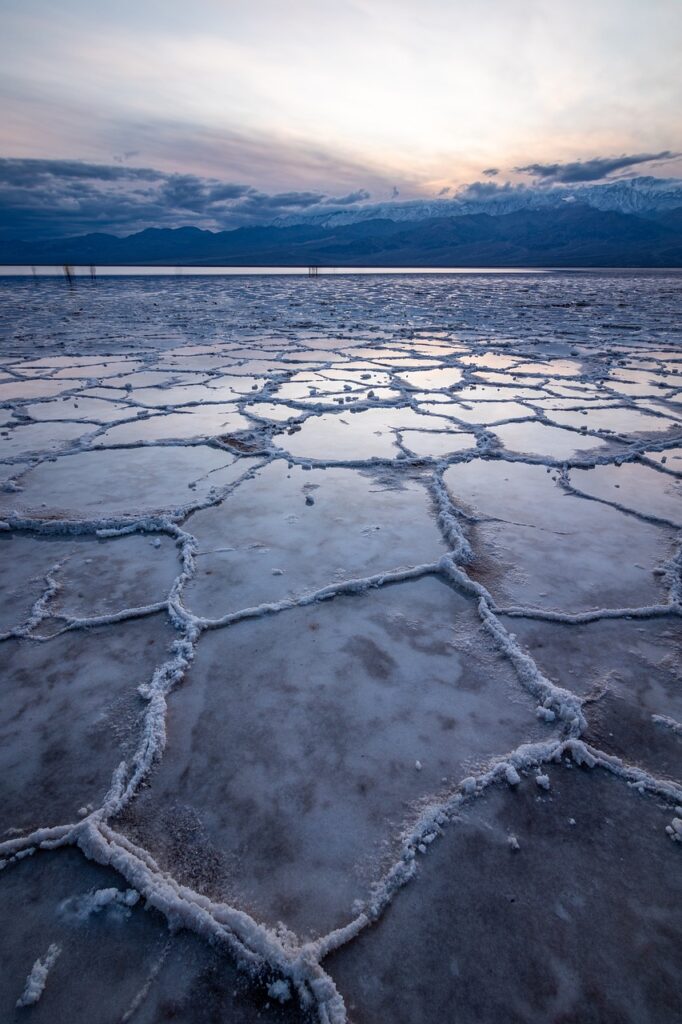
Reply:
x=313, y=271
x=69, y=275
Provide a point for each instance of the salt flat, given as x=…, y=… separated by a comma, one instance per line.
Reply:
x=341, y=643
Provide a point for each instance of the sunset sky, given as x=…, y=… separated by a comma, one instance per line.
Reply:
x=348, y=100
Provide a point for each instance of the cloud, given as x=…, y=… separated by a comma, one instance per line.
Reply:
x=359, y=196
x=121, y=158
x=50, y=198
x=42, y=199
x=191, y=192
x=490, y=172
x=444, y=191
x=478, y=190
x=589, y=170
x=39, y=173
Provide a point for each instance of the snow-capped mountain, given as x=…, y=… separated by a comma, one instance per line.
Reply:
x=641, y=195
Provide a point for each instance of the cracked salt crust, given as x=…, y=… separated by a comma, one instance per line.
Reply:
x=267, y=669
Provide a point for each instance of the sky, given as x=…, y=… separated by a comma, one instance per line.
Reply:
x=219, y=112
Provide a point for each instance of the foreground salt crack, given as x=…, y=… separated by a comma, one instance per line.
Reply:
x=290, y=594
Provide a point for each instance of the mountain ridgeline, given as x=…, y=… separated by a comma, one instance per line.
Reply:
x=573, y=235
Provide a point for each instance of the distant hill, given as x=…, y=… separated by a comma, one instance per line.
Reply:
x=574, y=235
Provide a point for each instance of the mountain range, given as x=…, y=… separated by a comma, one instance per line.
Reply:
x=619, y=224
x=642, y=194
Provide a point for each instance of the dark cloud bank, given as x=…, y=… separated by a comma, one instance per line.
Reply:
x=589, y=170
x=49, y=198
x=52, y=199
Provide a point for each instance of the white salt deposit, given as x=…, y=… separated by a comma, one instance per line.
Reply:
x=306, y=582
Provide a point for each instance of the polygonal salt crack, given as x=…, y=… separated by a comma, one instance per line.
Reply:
x=263, y=567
